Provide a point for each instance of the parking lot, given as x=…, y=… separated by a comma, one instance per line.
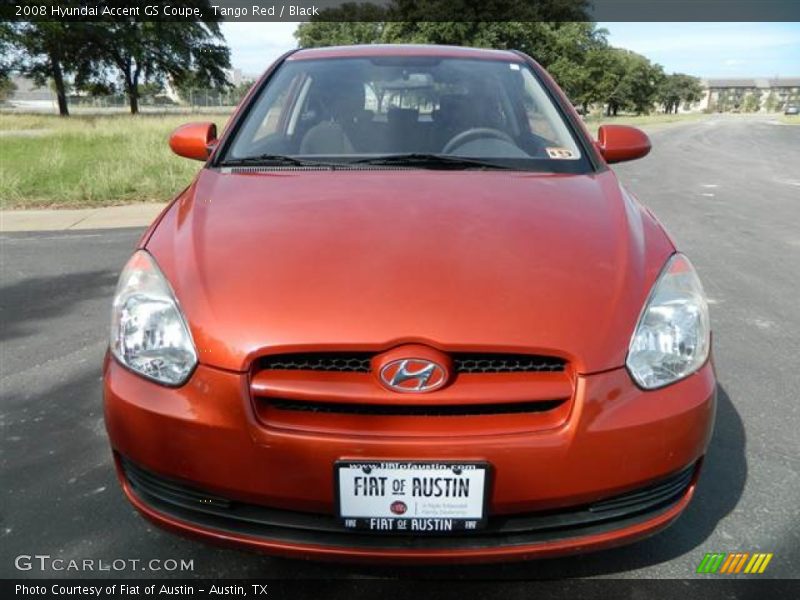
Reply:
x=728, y=190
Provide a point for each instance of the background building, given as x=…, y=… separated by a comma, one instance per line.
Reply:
x=749, y=94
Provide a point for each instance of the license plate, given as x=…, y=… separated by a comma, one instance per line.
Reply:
x=412, y=497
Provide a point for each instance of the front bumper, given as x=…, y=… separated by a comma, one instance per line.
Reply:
x=618, y=442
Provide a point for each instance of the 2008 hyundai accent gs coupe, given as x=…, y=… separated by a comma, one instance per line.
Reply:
x=406, y=313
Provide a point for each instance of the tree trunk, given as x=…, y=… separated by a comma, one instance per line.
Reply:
x=58, y=81
x=132, y=89
x=133, y=99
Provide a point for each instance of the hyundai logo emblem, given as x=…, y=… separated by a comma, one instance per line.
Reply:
x=413, y=375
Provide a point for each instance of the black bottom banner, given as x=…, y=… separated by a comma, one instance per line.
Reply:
x=389, y=589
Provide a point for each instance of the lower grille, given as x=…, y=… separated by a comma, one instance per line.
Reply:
x=413, y=410
x=191, y=505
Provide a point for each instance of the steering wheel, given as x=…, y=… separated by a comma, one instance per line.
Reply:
x=474, y=134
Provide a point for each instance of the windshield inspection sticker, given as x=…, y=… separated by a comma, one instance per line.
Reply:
x=560, y=153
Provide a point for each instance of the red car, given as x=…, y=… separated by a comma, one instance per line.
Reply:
x=406, y=313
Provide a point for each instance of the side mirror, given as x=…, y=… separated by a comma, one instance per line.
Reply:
x=194, y=140
x=618, y=143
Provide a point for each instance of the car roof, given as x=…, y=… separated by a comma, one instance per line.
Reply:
x=372, y=50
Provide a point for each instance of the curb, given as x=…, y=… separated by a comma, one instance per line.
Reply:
x=112, y=217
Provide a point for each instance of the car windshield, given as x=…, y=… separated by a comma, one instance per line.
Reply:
x=430, y=112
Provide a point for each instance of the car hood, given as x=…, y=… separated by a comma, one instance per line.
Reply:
x=299, y=260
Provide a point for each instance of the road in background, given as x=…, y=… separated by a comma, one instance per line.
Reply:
x=727, y=189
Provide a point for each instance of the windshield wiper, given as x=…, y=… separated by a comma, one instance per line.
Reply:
x=431, y=161
x=275, y=160
x=413, y=159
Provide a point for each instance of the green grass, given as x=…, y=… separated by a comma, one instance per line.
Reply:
x=643, y=120
x=790, y=119
x=47, y=161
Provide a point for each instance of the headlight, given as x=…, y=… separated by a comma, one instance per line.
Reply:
x=673, y=337
x=148, y=332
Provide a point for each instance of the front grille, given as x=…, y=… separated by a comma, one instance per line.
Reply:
x=506, y=363
x=463, y=362
x=413, y=410
x=191, y=505
x=358, y=362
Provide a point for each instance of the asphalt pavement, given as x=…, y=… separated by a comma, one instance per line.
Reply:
x=728, y=190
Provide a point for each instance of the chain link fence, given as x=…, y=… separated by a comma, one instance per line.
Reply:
x=196, y=100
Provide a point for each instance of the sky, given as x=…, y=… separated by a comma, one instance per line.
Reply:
x=714, y=49
x=700, y=49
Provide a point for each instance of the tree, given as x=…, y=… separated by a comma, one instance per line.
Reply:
x=771, y=103
x=602, y=70
x=344, y=25
x=723, y=101
x=641, y=82
x=752, y=101
x=47, y=51
x=669, y=94
x=469, y=11
x=582, y=66
x=692, y=90
x=7, y=88
x=6, y=36
x=315, y=34
x=242, y=88
x=676, y=89
x=152, y=52
x=613, y=89
x=424, y=22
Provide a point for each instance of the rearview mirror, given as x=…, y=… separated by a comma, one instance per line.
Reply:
x=194, y=140
x=618, y=143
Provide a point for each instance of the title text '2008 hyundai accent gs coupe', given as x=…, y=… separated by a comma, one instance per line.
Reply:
x=406, y=313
